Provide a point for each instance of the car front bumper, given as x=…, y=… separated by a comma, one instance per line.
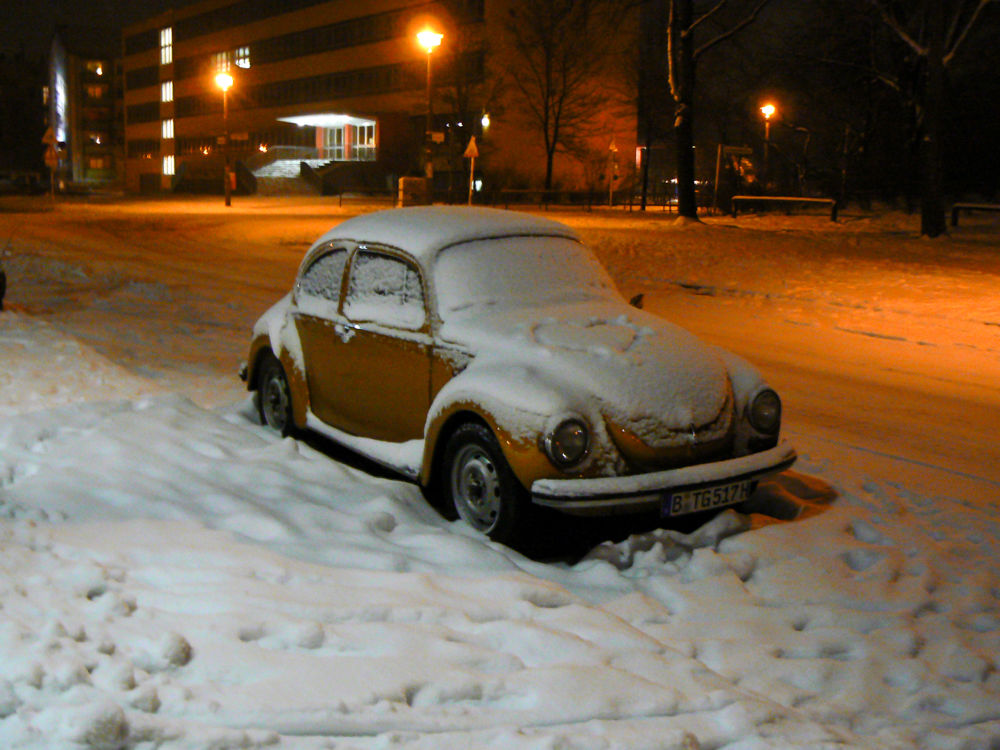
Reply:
x=640, y=492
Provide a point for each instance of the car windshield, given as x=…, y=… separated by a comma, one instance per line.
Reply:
x=517, y=272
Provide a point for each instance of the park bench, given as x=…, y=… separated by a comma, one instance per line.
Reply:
x=786, y=200
x=971, y=207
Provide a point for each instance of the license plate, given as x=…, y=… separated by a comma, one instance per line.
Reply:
x=706, y=498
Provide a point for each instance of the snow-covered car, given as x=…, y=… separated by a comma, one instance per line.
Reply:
x=487, y=355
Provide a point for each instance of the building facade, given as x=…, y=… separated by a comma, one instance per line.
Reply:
x=339, y=89
x=84, y=98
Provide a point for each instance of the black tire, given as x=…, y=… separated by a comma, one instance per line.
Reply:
x=274, y=399
x=479, y=484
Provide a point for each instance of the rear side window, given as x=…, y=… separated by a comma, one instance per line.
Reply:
x=385, y=290
x=319, y=284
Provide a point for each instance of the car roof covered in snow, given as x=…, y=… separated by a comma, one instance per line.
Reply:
x=422, y=231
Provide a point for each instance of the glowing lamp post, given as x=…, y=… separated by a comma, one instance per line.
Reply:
x=225, y=82
x=429, y=40
x=768, y=111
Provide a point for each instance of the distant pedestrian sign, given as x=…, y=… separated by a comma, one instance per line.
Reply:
x=471, y=151
x=51, y=157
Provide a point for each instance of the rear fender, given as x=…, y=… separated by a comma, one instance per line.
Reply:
x=260, y=348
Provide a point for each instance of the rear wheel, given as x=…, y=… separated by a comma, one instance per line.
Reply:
x=479, y=484
x=274, y=399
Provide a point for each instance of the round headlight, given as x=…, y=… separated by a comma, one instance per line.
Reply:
x=765, y=412
x=567, y=443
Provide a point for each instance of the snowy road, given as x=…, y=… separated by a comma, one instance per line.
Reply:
x=898, y=355
x=173, y=576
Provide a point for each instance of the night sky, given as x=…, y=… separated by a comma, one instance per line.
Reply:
x=28, y=24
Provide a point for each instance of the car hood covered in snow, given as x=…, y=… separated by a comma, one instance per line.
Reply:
x=643, y=374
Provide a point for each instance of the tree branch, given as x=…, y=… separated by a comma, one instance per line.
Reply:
x=671, y=51
x=890, y=20
x=952, y=49
x=704, y=17
x=734, y=30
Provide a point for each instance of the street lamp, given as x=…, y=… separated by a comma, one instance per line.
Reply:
x=225, y=81
x=429, y=39
x=768, y=111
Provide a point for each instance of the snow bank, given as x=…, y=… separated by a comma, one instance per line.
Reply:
x=42, y=368
x=180, y=577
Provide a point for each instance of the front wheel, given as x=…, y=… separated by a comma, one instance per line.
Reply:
x=274, y=400
x=479, y=484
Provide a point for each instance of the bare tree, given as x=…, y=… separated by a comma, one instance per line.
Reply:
x=468, y=92
x=682, y=57
x=560, y=52
x=931, y=32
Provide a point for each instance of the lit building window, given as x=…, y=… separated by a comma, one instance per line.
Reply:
x=223, y=61
x=363, y=142
x=167, y=129
x=168, y=165
x=166, y=46
x=333, y=143
x=45, y=96
x=167, y=91
x=96, y=67
x=60, y=97
x=96, y=91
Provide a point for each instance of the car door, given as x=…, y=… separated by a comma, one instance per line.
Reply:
x=318, y=321
x=379, y=374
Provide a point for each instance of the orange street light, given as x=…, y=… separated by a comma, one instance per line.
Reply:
x=429, y=40
x=768, y=111
x=225, y=82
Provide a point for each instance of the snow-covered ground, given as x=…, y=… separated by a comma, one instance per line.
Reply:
x=172, y=575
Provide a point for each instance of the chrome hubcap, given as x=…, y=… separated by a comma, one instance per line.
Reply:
x=275, y=401
x=475, y=487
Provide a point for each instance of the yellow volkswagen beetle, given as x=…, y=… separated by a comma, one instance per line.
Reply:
x=487, y=355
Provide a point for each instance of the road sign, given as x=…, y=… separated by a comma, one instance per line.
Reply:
x=471, y=152
x=49, y=139
x=51, y=158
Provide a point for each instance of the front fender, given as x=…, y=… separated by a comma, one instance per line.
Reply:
x=518, y=404
x=747, y=382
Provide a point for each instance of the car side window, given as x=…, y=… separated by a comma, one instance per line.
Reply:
x=322, y=278
x=385, y=290
x=318, y=287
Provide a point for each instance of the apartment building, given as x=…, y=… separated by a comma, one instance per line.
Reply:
x=340, y=89
x=83, y=97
